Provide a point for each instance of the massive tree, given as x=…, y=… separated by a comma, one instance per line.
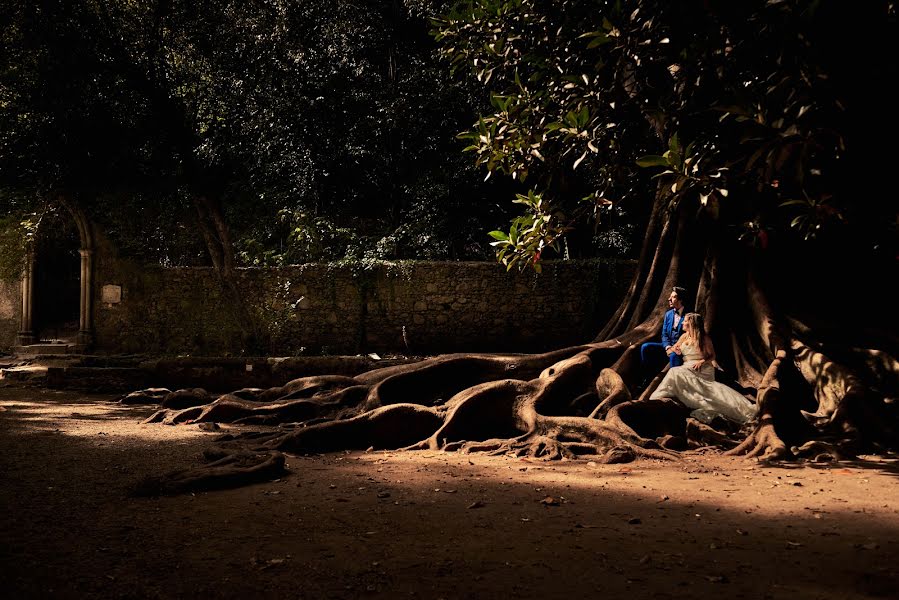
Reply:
x=729, y=126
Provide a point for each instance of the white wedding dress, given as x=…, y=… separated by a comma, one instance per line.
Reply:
x=697, y=389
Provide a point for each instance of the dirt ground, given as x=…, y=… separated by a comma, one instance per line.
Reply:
x=424, y=524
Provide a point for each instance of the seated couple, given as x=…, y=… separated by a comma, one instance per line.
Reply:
x=691, y=374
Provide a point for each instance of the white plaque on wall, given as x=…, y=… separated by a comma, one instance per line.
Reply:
x=112, y=294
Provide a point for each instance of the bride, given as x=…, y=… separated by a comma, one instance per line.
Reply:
x=694, y=383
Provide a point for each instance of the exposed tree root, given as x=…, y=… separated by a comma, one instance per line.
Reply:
x=822, y=451
x=387, y=427
x=611, y=387
x=763, y=442
x=229, y=469
x=699, y=434
x=147, y=396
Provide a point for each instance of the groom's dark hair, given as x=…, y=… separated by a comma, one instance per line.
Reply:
x=681, y=293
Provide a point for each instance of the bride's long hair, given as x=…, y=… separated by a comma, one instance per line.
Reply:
x=697, y=332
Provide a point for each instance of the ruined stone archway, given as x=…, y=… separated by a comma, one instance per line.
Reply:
x=28, y=335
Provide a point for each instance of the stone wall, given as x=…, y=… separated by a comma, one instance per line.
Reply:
x=405, y=308
x=10, y=313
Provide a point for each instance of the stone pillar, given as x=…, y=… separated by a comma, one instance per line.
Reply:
x=86, y=330
x=26, y=329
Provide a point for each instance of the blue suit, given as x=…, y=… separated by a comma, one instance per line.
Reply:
x=649, y=352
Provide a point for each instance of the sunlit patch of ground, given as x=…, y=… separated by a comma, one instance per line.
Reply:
x=86, y=416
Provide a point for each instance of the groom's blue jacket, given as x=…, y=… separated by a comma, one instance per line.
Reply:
x=670, y=333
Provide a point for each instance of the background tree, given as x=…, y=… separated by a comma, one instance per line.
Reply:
x=278, y=133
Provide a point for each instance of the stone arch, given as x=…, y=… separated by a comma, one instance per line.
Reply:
x=85, y=337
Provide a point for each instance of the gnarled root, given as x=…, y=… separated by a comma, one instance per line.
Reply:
x=611, y=388
x=821, y=451
x=145, y=396
x=547, y=448
x=233, y=469
x=762, y=443
x=699, y=434
x=390, y=427
x=186, y=398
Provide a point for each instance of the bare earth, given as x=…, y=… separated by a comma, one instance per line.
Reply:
x=424, y=524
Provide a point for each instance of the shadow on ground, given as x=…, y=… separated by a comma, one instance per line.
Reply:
x=426, y=524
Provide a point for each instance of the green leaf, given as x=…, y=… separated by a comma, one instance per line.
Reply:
x=674, y=144
x=599, y=40
x=499, y=235
x=583, y=116
x=652, y=160
x=674, y=152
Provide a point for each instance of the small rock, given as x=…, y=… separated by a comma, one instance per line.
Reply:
x=549, y=501
x=634, y=521
x=869, y=546
x=476, y=504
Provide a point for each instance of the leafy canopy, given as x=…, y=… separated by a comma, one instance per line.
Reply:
x=741, y=105
x=326, y=129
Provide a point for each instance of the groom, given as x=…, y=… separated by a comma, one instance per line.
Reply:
x=672, y=327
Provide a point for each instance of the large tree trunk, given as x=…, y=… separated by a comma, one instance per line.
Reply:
x=818, y=393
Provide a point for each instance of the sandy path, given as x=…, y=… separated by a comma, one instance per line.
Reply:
x=424, y=524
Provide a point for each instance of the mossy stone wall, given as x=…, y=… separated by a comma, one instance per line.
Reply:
x=10, y=313
x=388, y=308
